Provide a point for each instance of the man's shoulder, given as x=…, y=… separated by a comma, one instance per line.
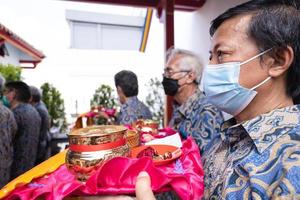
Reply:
x=5, y=112
x=42, y=110
x=26, y=110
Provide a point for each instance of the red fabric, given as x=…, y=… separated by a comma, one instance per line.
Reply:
x=109, y=111
x=118, y=176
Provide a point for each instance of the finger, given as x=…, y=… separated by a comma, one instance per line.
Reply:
x=143, y=189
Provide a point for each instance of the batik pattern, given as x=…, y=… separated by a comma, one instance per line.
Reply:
x=26, y=139
x=8, y=128
x=133, y=110
x=198, y=119
x=257, y=159
x=44, y=138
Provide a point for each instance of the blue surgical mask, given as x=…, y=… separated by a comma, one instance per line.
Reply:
x=5, y=101
x=222, y=88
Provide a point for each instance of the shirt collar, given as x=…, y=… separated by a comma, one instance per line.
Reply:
x=265, y=129
x=131, y=100
x=185, y=108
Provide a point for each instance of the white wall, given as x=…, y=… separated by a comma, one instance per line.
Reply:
x=192, y=29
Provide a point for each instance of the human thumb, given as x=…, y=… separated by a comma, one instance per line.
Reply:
x=143, y=189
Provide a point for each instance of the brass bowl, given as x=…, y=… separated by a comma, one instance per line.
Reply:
x=133, y=138
x=90, y=147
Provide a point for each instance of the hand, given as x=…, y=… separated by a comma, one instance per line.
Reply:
x=143, y=189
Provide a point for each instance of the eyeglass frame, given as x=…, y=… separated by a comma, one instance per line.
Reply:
x=170, y=74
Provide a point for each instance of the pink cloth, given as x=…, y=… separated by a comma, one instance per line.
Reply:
x=184, y=176
x=109, y=111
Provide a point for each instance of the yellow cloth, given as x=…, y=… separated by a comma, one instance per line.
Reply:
x=42, y=169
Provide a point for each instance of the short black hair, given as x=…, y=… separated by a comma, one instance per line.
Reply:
x=127, y=80
x=36, y=95
x=274, y=24
x=22, y=90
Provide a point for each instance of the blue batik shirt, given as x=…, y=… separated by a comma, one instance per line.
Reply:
x=26, y=139
x=8, y=128
x=198, y=119
x=133, y=110
x=257, y=159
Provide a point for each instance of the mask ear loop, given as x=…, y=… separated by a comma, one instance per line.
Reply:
x=267, y=79
x=263, y=82
x=262, y=53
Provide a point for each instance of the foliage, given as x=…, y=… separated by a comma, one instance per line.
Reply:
x=55, y=105
x=155, y=100
x=10, y=72
x=104, y=97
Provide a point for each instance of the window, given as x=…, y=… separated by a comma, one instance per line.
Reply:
x=104, y=31
x=84, y=35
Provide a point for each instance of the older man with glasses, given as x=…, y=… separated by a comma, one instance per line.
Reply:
x=192, y=115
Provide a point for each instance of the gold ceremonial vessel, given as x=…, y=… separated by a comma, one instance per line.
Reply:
x=147, y=125
x=90, y=147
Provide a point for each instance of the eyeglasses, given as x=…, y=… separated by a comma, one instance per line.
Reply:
x=169, y=73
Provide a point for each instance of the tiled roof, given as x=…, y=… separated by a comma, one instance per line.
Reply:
x=19, y=43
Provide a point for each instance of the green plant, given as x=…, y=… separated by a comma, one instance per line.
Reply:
x=155, y=100
x=11, y=72
x=104, y=97
x=55, y=105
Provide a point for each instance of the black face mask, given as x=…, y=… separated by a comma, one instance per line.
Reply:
x=170, y=86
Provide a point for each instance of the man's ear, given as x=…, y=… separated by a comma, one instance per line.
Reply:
x=119, y=89
x=191, y=77
x=120, y=92
x=282, y=60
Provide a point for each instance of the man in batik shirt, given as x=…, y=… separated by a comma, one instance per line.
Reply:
x=28, y=122
x=44, y=140
x=8, y=128
x=192, y=115
x=131, y=109
x=255, y=69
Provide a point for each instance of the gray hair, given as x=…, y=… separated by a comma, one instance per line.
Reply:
x=189, y=61
x=2, y=81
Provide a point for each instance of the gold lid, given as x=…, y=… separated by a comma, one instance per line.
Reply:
x=100, y=130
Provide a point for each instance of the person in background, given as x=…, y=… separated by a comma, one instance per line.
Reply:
x=8, y=128
x=192, y=115
x=132, y=108
x=3, y=99
x=45, y=138
x=2, y=83
x=28, y=121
